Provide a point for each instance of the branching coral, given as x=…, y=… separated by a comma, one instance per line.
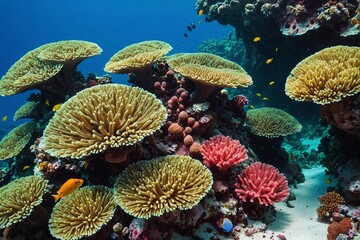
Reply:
x=152, y=188
x=263, y=184
x=101, y=118
x=223, y=152
x=330, y=201
x=326, y=76
x=19, y=198
x=82, y=213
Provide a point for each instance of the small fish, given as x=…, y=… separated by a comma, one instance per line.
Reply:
x=271, y=83
x=265, y=98
x=328, y=181
x=252, y=106
x=26, y=167
x=56, y=107
x=227, y=225
x=257, y=39
x=185, y=35
x=68, y=187
x=258, y=94
x=189, y=28
x=199, y=21
x=200, y=12
x=276, y=49
x=268, y=61
x=47, y=103
x=4, y=118
x=193, y=26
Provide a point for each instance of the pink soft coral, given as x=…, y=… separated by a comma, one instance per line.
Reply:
x=263, y=183
x=222, y=152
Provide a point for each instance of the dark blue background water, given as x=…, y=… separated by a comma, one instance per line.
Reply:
x=112, y=24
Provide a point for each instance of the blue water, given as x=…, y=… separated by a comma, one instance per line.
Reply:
x=111, y=24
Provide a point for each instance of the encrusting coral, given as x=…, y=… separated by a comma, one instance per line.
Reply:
x=103, y=118
x=152, y=188
x=19, y=198
x=16, y=140
x=209, y=72
x=272, y=122
x=223, y=152
x=263, y=184
x=327, y=76
x=82, y=213
x=138, y=58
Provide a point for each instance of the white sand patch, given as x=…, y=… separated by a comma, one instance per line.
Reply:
x=300, y=222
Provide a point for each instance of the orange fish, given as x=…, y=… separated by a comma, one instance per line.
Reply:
x=68, y=187
x=269, y=60
x=200, y=12
x=256, y=39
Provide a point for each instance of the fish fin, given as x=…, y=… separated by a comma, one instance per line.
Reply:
x=56, y=197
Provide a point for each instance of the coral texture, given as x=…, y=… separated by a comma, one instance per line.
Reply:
x=327, y=76
x=82, y=213
x=16, y=140
x=137, y=55
x=28, y=72
x=335, y=228
x=69, y=50
x=263, y=184
x=271, y=122
x=330, y=201
x=223, y=152
x=19, y=197
x=25, y=110
x=103, y=117
x=152, y=188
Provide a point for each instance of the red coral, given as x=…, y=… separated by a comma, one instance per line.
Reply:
x=263, y=183
x=223, y=152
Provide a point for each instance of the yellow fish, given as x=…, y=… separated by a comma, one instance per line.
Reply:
x=265, y=98
x=271, y=83
x=4, y=118
x=258, y=94
x=269, y=60
x=26, y=167
x=68, y=187
x=257, y=39
x=47, y=103
x=252, y=107
x=200, y=12
x=328, y=181
x=56, y=107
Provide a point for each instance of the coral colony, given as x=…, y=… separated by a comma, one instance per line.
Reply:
x=175, y=154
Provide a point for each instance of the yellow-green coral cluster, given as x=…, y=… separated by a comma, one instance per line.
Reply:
x=152, y=188
x=19, y=197
x=272, y=122
x=101, y=117
x=16, y=140
x=25, y=110
x=326, y=76
x=82, y=213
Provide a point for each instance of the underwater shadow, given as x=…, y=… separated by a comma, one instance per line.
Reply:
x=283, y=220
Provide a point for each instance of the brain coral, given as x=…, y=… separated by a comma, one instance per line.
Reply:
x=272, y=122
x=82, y=213
x=151, y=188
x=16, y=140
x=223, y=152
x=19, y=198
x=326, y=76
x=262, y=183
x=102, y=117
